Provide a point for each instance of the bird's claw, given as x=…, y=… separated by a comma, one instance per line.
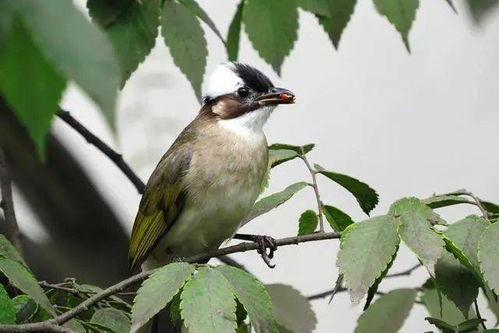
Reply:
x=266, y=248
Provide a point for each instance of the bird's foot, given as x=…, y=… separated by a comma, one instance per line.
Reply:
x=266, y=246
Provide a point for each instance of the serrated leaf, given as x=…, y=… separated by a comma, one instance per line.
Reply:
x=9, y=251
x=266, y=204
x=21, y=278
x=374, y=288
x=34, y=98
x=113, y=319
x=7, y=310
x=400, y=13
x=272, y=28
x=90, y=62
x=318, y=7
x=394, y=307
x=131, y=26
x=185, y=38
x=338, y=220
x=444, y=201
x=308, y=222
x=365, y=252
x=201, y=14
x=298, y=149
x=252, y=295
x=234, y=33
x=291, y=309
x=416, y=230
x=25, y=308
x=488, y=255
x=339, y=14
x=448, y=310
x=157, y=291
x=365, y=195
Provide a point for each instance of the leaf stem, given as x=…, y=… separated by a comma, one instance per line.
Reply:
x=314, y=185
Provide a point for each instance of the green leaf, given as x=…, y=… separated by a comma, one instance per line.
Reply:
x=445, y=327
x=291, y=309
x=338, y=220
x=131, y=26
x=491, y=207
x=174, y=309
x=374, y=288
x=365, y=195
x=488, y=255
x=444, y=201
x=113, y=319
x=280, y=156
x=25, y=308
x=266, y=204
x=21, y=278
x=298, y=149
x=444, y=310
x=416, y=230
x=400, y=13
x=75, y=326
x=388, y=313
x=157, y=291
x=492, y=330
x=234, y=34
x=207, y=305
x=252, y=295
x=7, y=16
x=34, y=98
x=7, y=309
x=480, y=9
x=339, y=14
x=185, y=38
x=9, y=251
x=272, y=28
x=493, y=303
x=318, y=7
x=308, y=222
x=469, y=325
x=201, y=14
x=365, y=252
x=77, y=47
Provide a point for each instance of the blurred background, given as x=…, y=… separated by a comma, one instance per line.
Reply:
x=406, y=124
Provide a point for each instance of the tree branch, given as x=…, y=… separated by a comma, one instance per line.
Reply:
x=122, y=285
x=314, y=185
x=7, y=204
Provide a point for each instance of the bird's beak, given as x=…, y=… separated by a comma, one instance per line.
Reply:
x=276, y=96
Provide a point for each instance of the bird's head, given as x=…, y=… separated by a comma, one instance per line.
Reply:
x=242, y=98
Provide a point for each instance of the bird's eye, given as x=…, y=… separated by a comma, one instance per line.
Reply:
x=243, y=92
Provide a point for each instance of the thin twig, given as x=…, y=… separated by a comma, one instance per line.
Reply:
x=7, y=204
x=122, y=285
x=404, y=273
x=476, y=201
x=91, y=138
x=479, y=316
x=337, y=286
x=314, y=185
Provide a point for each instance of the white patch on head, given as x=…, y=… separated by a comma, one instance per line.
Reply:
x=249, y=124
x=223, y=81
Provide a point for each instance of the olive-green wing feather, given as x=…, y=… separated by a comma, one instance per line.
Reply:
x=161, y=203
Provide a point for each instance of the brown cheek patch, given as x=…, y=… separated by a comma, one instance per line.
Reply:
x=226, y=108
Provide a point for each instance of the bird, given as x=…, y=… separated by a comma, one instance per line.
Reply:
x=209, y=179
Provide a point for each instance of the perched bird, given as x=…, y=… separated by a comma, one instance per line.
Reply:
x=209, y=179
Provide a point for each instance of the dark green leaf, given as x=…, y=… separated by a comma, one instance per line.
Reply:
x=7, y=309
x=298, y=149
x=75, y=326
x=157, y=291
x=308, y=222
x=492, y=330
x=7, y=16
x=480, y=9
x=266, y=204
x=207, y=305
x=185, y=38
x=272, y=28
x=339, y=13
x=400, y=13
x=444, y=309
x=201, y=14
x=374, y=288
x=21, y=278
x=291, y=309
x=417, y=232
x=365, y=195
x=132, y=27
x=78, y=49
x=252, y=295
x=9, y=251
x=491, y=207
x=445, y=327
x=338, y=220
x=318, y=7
x=113, y=319
x=365, y=252
x=280, y=156
x=451, y=247
x=469, y=325
x=34, y=98
x=488, y=254
x=234, y=34
x=444, y=201
x=25, y=308
x=388, y=313
x=174, y=308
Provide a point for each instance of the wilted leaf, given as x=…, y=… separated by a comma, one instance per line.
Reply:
x=308, y=222
x=207, y=305
x=291, y=308
x=488, y=254
x=338, y=220
x=201, y=14
x=157, y=291
x=7, y=310
x=401, y=14
x=272, y=28
x=298, y=149
x=234, y=34
x=365, y=195
x=131, y=26
x=266, y=204
x=365, y=252
x=113, y=319
x=33, y=96
x=388, y=313
x=76, y=47
x=339, y=14
x=416, y=230
x=185, y=38
x=252, y=295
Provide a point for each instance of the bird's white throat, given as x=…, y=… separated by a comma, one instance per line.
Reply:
x=249, y=124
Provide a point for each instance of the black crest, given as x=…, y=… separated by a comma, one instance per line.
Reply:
x=252, y=77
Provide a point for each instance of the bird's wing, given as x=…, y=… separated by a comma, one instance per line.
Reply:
x=161, y=203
